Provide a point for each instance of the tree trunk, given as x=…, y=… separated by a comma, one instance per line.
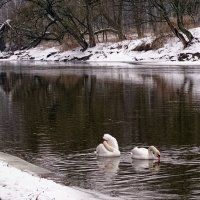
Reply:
x=115, y=23
x=161, y=8
x=119, y=22
x=137, y=15
x=139, y=30
x=92, y=42
x=120, y=33
x=2, y=44
x=176, y=32
x=75, y=33
x=185, y=31
x=182, y=28
x=179, y=8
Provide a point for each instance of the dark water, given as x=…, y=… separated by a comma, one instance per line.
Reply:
x=55, y=116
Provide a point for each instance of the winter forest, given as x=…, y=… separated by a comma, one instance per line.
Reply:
x=84, y=23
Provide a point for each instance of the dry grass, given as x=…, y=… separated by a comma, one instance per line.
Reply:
x=162, y=28
x=189, y=22
x=157, y=43
x=160, y=41
x=48, y=44
x=69, y=43
x=108, y=37
x=143, y=47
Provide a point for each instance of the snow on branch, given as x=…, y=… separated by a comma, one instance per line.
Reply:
x=5, y=26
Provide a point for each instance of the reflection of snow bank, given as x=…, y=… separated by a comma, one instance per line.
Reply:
x=18, y=185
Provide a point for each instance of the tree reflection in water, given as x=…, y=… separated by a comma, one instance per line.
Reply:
x=50, y=118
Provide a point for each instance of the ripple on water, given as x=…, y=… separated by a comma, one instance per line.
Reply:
x=131, y=179
x=51, y=117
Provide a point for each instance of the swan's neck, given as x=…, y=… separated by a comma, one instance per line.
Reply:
x=152, y=151
x=108, y=147
x=150, y=154
x=113, y=143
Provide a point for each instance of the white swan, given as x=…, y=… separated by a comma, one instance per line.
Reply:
x=151, y=153
x=109, y=148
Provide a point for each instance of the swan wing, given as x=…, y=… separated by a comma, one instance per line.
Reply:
x=102, y=151
x=140, y=153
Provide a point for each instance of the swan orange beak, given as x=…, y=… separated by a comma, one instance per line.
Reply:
x=158, y=156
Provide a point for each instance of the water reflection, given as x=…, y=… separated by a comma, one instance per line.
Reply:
x=56, y=117
x=145, y=164
x=109, y=165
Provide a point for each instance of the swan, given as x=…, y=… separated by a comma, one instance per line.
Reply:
x=109, y=147
x=151, y=153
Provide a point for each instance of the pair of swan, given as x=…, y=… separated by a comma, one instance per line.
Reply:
x=110, y=148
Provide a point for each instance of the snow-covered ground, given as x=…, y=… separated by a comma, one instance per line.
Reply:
x=23, y=184
x=171, y=51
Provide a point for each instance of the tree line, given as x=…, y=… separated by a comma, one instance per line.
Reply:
x=83, y=22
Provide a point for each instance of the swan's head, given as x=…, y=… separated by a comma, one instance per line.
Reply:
x=111, y=141
x=155, y=151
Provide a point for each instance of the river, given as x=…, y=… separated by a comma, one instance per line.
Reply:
x=55, y=115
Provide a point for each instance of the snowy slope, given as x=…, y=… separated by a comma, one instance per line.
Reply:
x=23, y=184
x=117, y=52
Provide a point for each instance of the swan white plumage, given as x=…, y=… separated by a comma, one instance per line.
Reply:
x=109, y=148
x=151, y=153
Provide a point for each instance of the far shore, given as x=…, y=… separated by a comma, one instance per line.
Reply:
x=128, y=51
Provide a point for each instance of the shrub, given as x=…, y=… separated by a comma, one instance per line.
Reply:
x=143, y=47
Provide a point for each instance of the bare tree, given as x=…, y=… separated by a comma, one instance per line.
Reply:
x=177, y=7
x=139, y=8
x=112, y=11
x=180, y=8
x=36, y=20
x=4, y=27
x=3, y=2
x=89, y=17
x=59, y=12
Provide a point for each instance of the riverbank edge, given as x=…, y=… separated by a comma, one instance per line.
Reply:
x=43, y=175
x=16, y=162
x=169, y=51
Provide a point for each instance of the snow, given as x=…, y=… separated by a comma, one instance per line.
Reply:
x=117, y=52
x=20, y=185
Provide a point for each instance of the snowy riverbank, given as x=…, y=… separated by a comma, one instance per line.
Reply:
x=148, y=49
x=17, y=181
